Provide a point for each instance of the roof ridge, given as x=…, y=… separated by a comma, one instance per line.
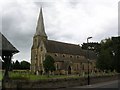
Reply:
x=61, y=47
x=64, y=42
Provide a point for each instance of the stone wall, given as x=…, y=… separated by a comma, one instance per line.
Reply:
x=55, y=83
x=77, y=63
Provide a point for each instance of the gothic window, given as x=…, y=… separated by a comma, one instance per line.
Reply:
x=35, y=40
x=81, y=63
x=63, y=55
x=70, y=56
x=41, y=48
x=83, y=67
x=77, y=56
x=77, y=66
x=56, y=55
x=35, y=62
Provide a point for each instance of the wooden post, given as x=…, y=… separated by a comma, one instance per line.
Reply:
x=7, y=61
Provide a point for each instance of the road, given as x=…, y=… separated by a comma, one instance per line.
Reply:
x=111, y=85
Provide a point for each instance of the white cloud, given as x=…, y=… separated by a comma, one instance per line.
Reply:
x=86, y=19
x=67, y=21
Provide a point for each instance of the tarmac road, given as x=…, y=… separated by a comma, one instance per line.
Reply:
x=111, y=85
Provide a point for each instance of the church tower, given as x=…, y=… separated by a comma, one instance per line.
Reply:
x=37, y=53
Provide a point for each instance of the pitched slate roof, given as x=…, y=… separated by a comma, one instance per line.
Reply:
x=5, y=45
x=63, y=48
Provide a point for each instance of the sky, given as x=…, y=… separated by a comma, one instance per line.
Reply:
x=70, y=21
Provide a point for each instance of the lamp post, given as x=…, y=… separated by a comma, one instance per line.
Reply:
x=88, y=59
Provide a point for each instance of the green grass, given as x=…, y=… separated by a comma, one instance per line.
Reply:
x=22, y=75
x=27, y=76
x=1, y=75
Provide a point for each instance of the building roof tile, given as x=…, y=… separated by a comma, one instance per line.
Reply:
x=5, y=45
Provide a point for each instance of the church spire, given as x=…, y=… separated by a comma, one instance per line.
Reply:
x=40, y=25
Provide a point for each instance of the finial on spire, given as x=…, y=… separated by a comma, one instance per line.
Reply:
x=40, y=25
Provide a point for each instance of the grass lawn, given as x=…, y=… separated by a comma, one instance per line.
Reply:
x=38, y=77
x=1, y=75
x=28, y=76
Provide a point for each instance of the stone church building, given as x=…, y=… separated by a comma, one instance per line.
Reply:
x=69, y=58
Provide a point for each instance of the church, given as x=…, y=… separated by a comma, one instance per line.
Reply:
x=69, y=58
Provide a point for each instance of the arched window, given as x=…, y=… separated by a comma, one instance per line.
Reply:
x=63, y=55
x=77, y=67
x=35, y=41
x=81, y=63
x=56, y=55
x=77, y=56
x=70, y=56
x=41, y=48
x=83, y=67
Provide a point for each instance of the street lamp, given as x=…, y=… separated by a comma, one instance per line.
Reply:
x=88, y=59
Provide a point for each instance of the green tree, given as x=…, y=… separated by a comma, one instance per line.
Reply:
x=16, y=65
x=109, y=56
x=105, y=61
x=116, y=53
x=94, y=46
x=25, y=65
x=49, y=64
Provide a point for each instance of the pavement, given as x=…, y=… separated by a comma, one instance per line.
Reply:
x=111, y=85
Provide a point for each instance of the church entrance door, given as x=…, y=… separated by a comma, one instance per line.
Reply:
x=69, y=70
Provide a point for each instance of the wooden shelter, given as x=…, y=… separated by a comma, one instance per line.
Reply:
x=7, y=50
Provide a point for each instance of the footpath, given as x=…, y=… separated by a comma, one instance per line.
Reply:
x=110, y=84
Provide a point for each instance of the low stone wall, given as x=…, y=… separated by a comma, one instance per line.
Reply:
x=56, y=83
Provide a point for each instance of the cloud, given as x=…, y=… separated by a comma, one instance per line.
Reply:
x=119, y=18
x=67, y=21
x=18, y=24
x=83, y=20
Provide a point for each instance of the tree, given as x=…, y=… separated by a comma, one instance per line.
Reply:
x=25, y=65
x=48, y=64
x=104, y=61
x=16, y=65
x=116, y=53
x=94, y=46
x=109, y=56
